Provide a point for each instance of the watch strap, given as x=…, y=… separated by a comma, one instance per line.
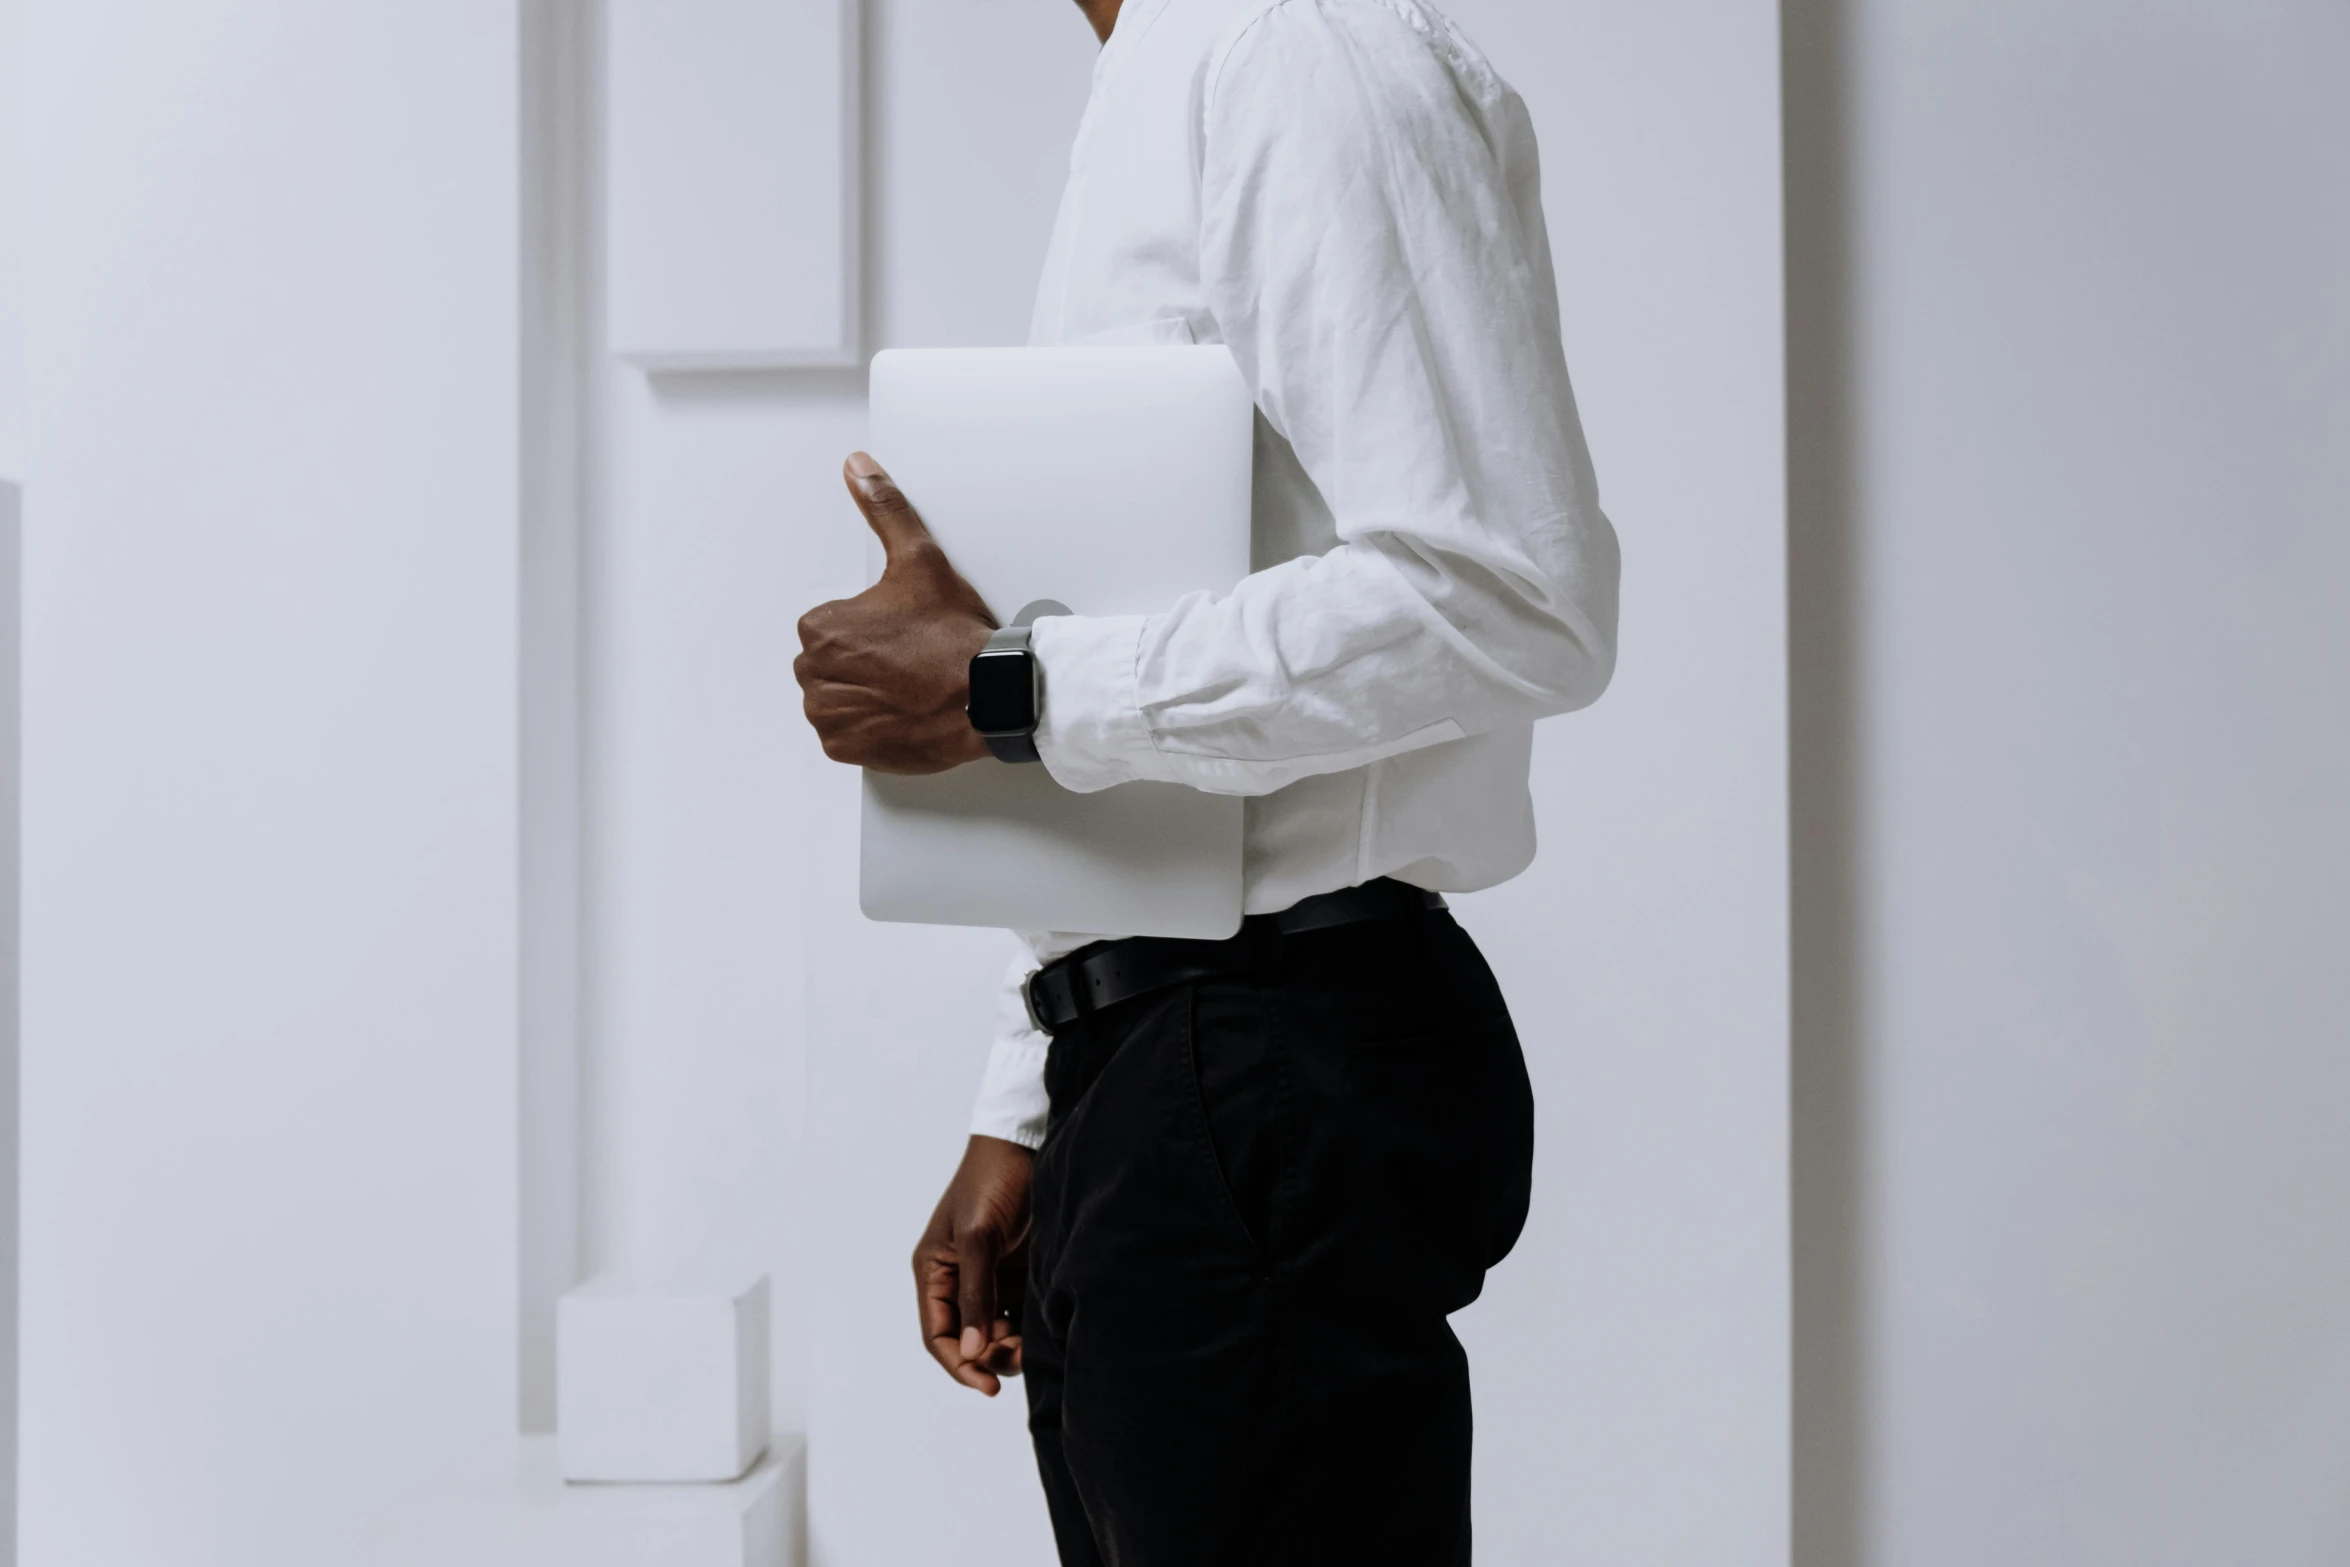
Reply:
x=1013, y=638
x=1036, y=611
x=1014, y=748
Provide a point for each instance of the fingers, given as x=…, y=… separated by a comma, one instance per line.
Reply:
x=942, y=1326
x=938, y=1272
x=976, y=1254
x=934, y=1290
x=971, y=1264
x=886, y=508
x=1003, y=1353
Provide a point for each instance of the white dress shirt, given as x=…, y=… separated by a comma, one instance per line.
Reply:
x=1345, y=193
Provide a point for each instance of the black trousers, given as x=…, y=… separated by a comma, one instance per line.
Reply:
x=1258, y=1200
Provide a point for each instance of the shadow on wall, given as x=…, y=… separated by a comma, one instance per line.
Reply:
x=1830, y=1403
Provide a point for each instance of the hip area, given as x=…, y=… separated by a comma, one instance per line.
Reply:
x=1375, y=1003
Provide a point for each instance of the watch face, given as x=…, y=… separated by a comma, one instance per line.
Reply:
x=1003, y=692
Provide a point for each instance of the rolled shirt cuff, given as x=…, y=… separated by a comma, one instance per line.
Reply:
x=1012, y=1103
x=1091, y=734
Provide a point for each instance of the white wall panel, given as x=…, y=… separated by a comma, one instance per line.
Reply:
x=11, y=1038
x=556, y=368
x=698, y=897
x=731, y=156
x=974, y=108
x=1631, y=1359
x=12, y=301
x=2073, y=341
x=270, y=769
x=718, y=515
x=11, y=459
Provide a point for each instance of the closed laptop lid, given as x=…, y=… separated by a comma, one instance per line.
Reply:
x=1111, y=480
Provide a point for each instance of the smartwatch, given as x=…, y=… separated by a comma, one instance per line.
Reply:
x=1007, y=687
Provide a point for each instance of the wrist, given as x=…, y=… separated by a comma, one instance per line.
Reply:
x=985, y=1146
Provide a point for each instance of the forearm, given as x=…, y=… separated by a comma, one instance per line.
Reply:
x=1383, y=645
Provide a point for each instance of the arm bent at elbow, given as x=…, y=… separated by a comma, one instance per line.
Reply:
x=1373, y=250
x=1327, y=663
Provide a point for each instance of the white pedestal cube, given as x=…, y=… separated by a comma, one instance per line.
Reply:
x=660, y=1381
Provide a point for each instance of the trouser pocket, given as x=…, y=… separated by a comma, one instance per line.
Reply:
x=1228, y=1074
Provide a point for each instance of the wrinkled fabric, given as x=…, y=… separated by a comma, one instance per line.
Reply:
x=1345, y=193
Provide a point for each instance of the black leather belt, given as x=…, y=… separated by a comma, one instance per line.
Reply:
x=1109, y=972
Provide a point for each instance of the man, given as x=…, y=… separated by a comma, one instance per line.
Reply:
x=1264, y=1171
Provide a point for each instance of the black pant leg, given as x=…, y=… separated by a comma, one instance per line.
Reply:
x=1407, y=1131
x=1148, y=1310
x=1040, y=1357
x=1258, y=1202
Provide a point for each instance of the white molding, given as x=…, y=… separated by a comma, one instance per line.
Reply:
x=11, y=938
x=515, y=1510
x=556, y=109
x=733, y=212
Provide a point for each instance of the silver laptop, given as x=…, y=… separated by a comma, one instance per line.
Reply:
x=1112, y=481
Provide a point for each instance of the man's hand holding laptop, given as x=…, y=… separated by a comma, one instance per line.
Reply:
x=885, y=675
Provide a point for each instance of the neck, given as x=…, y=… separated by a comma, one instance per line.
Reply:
x=1103, y=14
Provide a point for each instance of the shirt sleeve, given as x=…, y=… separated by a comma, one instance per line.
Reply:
x=1012, y=1102
x=1373, y=251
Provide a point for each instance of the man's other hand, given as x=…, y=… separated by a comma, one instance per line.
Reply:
x=885, y=675
x=971, y=1266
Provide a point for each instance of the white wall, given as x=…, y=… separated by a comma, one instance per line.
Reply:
x=972, y=113
x=2073, y=346
x=269, y=880
x=1639, y=1336
x=2069, y=362
x=11, y=240
x=1638, y=1339
x=717, y=831
x=278, y=435
x=11, y=626
x=11, y=860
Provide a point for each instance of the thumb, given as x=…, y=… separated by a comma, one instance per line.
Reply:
x=885, y=507
x=976, y=1253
